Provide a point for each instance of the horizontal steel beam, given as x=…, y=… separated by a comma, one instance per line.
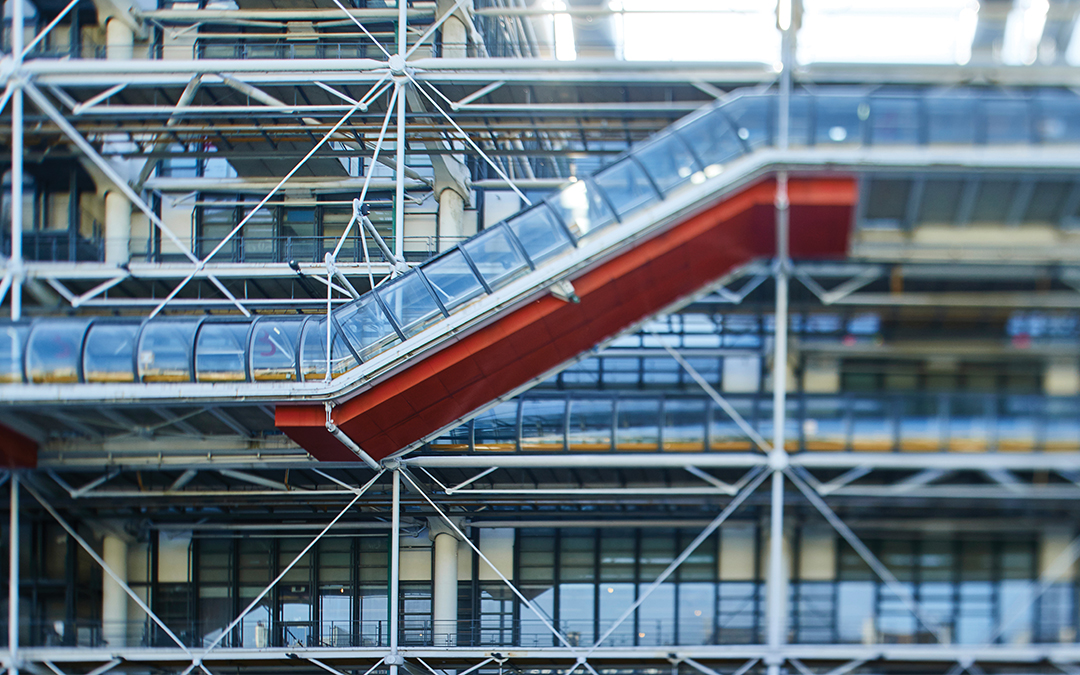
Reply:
x=930, y=653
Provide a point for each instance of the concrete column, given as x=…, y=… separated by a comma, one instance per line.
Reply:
x=1056, y=564
x=119, y=40
x=1062, y=377
x=114, y=601
x=455, y=34
x=445, y=595
x=821, y=375
x=117, y=226
x=451, y=219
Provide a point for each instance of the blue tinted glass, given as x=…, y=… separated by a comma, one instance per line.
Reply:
x=626, y=187
x=582, y=208
x=894, y=121
x=165, y=351
x=950, y=120
x=838, y=119
x=713, y=140
x=496, y=257
x=668, y=161
x=1007, y=121
x=539, y=233
x=109, y=355
x=366, y=327
x=273, y=349
x=220, y=352
x=752, y=118
x=54, y=349
x=453, y=280
x=313, y=353
x=412, y=305
x=11, y=346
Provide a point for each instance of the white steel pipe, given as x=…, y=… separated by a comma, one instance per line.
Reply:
x=16, y=189
x=13, y=578
x=395, y=566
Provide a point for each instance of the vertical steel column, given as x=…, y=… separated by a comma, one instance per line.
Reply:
x=16, y=196
x=778, y=460
x=13, y=573
x=16, y=162
x=395, y=568
x=399, y=184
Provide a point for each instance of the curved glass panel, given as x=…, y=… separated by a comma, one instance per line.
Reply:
x=219, y=352
x=453, y=280
x=313, y=353
x=894, y=121
x=165, y=351
x=496, y=257
x=950, y=120
x=53, y=350
x=540, y=234
x=1056, y=120
x=752, y=117
x=838, y=119
x=109, y=354
x=273, y=350
x=366, y=327
x=582, y=208
x=668, y=161
x=714, y=141
x=626, y=187
x=411, y=303
x=12, y=338
x=1007, y=121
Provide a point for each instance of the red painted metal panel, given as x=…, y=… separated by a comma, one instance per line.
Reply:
x=545, y=332
x=17, y=451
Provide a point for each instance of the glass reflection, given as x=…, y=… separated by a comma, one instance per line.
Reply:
x=366, y=327
x=410, y=302
x=496, y=257
x=453, y=280
x=273, y=349
x=582, y=208
x=165, y=351
x=11, y=346
x=220, y=352
x=54, y=349
x=109, y=353
x=540, y=234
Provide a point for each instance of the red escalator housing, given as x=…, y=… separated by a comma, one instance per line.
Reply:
x=535, y=337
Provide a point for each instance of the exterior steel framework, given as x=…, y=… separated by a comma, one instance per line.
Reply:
x=391, y=77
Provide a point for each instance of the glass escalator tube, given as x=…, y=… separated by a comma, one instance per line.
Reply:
x=12, y=350
x=166, y=350
x=221, y=350
x=273, y=349
x=109, y=351
x=54, y=350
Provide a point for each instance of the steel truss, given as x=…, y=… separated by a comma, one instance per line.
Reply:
x=729, y=479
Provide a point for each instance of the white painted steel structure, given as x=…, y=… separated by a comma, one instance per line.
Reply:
x=910, y=476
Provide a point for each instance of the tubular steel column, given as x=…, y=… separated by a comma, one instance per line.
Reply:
x=778, y=459
x=399, y=184
x=16, y=164
x=395, y=570
x=13, y=574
